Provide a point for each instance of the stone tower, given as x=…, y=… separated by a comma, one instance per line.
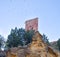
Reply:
x=31, y=24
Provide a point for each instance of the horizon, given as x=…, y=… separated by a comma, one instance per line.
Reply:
x=14, y=13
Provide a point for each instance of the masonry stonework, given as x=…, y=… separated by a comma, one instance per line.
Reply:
x=31, y=24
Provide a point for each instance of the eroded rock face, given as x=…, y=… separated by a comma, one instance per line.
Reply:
x=35, y=49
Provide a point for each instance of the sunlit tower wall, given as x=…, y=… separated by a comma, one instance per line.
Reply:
x=31, y=24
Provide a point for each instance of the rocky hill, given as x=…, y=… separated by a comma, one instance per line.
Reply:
x=35, y=49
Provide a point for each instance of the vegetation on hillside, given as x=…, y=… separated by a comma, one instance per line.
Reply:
x=58, y=44
x=19, y=37
x=1, y=42
x=45, y=39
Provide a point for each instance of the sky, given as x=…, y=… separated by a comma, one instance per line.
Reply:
x=14, y=13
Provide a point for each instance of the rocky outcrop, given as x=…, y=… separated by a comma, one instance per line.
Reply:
x=35, y=49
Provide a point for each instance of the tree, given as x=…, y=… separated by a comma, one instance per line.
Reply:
x=58, y=44
x=28, y=36
x=15, y=38
x=21, y=33
x=1, y=42
x=19, y=37
x=45, y=39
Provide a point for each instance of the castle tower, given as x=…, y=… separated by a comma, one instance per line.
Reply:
x=31, y=24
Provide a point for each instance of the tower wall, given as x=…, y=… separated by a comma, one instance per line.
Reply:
x=31, y=24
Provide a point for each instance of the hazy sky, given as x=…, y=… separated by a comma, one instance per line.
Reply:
x=14, y=13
